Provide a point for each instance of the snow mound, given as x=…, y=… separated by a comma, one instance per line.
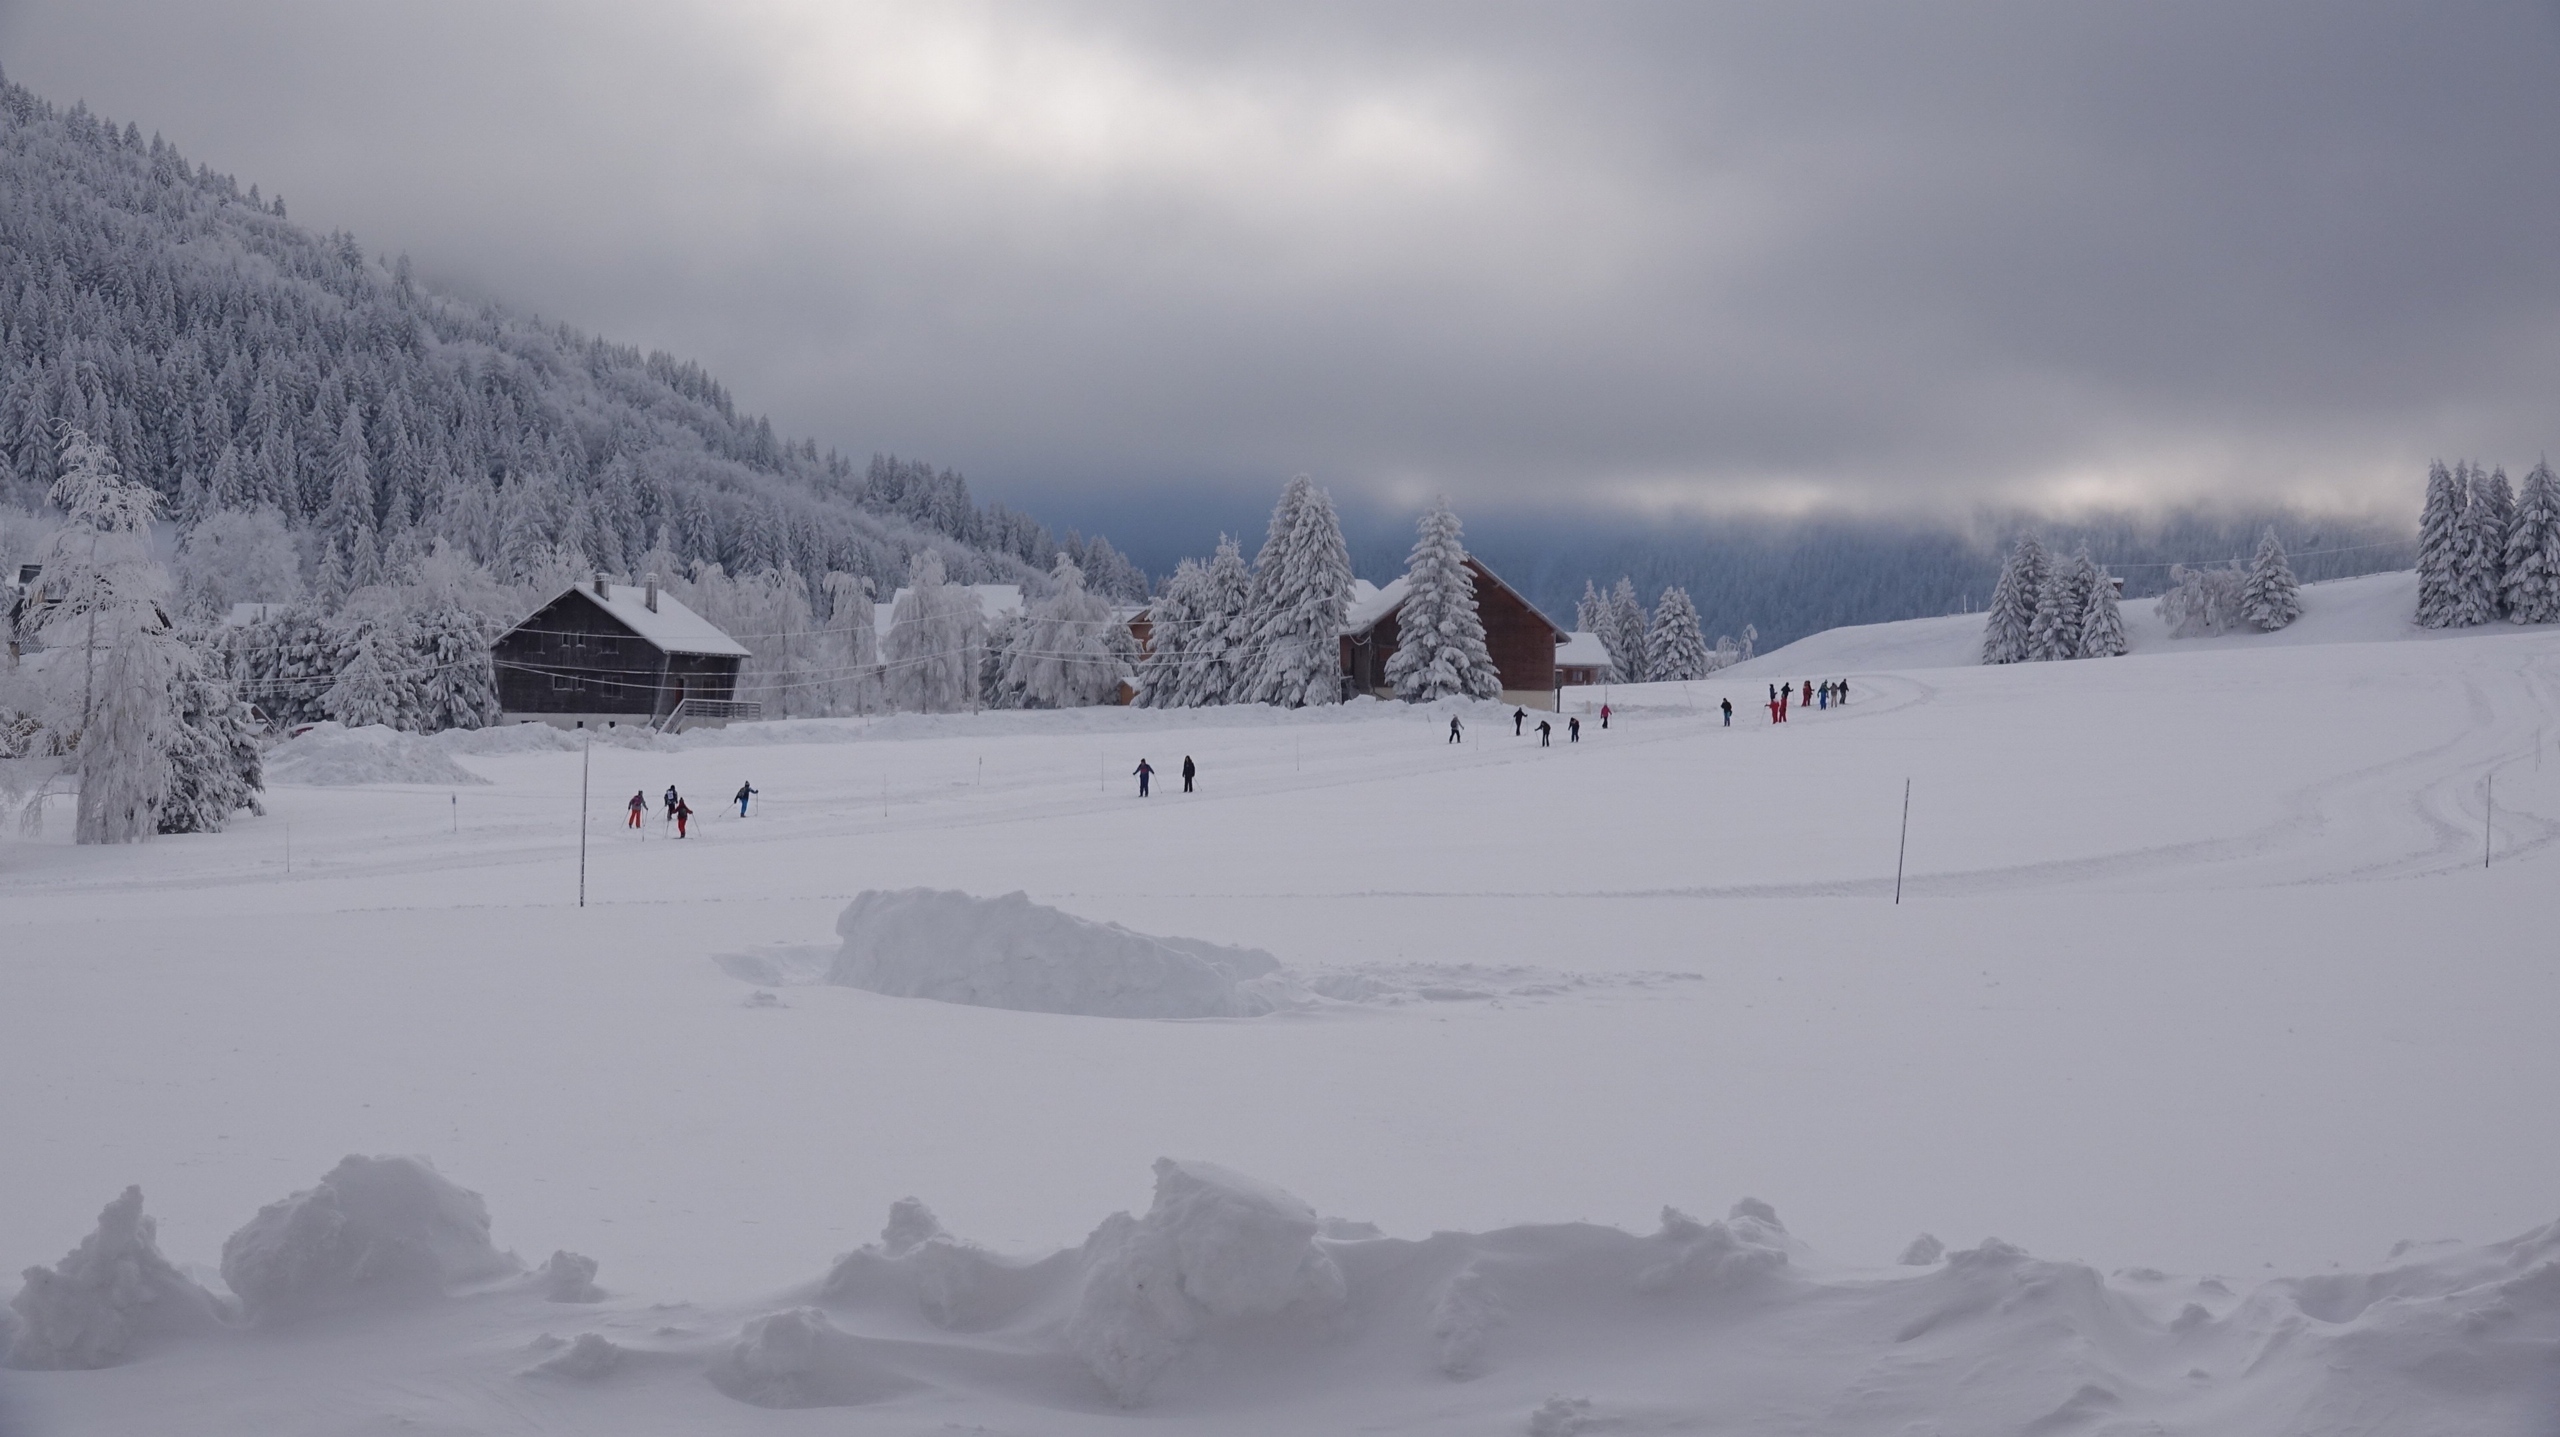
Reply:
x=383, y=1229
x=110, y=1296
x=591, y=1356
x=957, y=1286
x=569, y=1277
x=331, y=755
x=1010, y=952
x=1216, y=1247
x=798, y=1358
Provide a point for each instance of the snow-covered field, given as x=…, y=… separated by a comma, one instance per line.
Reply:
x=2199, y=999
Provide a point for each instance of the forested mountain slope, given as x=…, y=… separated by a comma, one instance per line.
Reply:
x=232, y=359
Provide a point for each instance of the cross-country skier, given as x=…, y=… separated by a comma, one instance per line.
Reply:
x=745, y=792
x=684, y=811
x=1456, y=734
x=1604, y=716
x=1728, y=713
x=1545, y=729
x=1573, y=730
x=1144, y=771
x=1518, y=717
x=639, y=805
x=1189, y=771
x=672, y=800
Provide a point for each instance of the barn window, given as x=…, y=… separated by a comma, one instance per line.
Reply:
x=609, y=646
x=565, y=683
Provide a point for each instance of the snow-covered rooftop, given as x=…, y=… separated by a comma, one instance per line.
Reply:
x=674, y=628
x=1370, y=603
x=1582, y=649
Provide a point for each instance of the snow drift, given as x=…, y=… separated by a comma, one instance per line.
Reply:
x=332, y=755
x=1230, y=1305
x=376, y=1230
x=111, y=1296
x=1010, y=952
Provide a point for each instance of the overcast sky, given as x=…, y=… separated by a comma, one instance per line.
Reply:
x=1894, y=256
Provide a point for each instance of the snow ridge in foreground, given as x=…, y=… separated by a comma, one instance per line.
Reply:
x=1231, y=1301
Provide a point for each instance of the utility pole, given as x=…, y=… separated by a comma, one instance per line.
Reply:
x=586, y=764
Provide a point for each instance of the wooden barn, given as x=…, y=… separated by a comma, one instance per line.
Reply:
x=603, y=653
x=1521, y=640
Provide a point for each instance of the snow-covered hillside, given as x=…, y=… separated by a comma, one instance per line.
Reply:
x=1600, y=1087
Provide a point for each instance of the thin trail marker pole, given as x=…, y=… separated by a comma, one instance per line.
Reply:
x=288, y=848
x=884, y=795
x=1905, y=846
x=2489, y=819
x=586, y=765
x=456, y=800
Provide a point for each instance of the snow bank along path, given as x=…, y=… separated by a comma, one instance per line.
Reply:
x=2197, y=969
x=1230, y=1305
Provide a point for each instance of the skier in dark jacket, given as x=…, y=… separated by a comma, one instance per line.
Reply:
x=1144, y=772
x=745, y=792
x=1573, y=730
x=1728, y=713
x=672, y=801
x=684, y=811
x=1189, y=771
x=1545, y=730
x=1518, y=717
x=639, y=806
x=1456, y=734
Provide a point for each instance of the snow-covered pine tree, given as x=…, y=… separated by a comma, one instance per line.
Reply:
x=2007, y=632
x=1624, y=638
x=2440, y=543
x=98, y=574
x=124, y=747
x=1005, y=634
x=2532, y=590
x=2270, y=597
x=1225, y=638
x=1173, y=638
x=452, y=681
x=1590, y=612
x=2102, y=621
x=235, y=556
x=1676, y=647
x=1073, y=652
x=930, y=662
x=214, y=767
x=2484, y=547
x=372, y=689
x=1750, y=641
x=1302, y=589
x=1440, y=650
x=2055, y=631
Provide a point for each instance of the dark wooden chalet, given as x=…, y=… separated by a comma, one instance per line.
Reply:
x=603, y=653
x=1521, y=640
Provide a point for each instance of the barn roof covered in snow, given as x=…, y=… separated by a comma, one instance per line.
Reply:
x=1582, y=649
x=671, y=627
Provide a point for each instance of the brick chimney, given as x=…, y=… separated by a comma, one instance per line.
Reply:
x=652, y=597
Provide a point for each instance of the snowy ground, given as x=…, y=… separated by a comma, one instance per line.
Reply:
x=2197, y=972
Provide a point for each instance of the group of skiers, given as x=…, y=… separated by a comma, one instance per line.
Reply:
x=679, y=812
x=1833, y=691
x=1146, y=771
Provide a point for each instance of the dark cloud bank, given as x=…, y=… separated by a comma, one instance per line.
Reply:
x=1594, y=271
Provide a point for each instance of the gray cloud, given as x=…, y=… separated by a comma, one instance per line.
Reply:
x=1885, y=256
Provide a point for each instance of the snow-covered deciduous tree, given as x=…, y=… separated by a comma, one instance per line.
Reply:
x=237, y=556
x=2532, y=591
x=1440, y=650
x=2440, y=545
x=930, y=661
x=2055, y=631
x=1301, y=592
x=2102, y=620
x=2007, y=634
x=2481, y=575
x=2270, y=597
x=99, y=577
x=2201, y=602
x=851, y=651
x=1173, y=637
x=1675, y=647
x=1073, y=652
x=997, y=650
x=124, y=746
